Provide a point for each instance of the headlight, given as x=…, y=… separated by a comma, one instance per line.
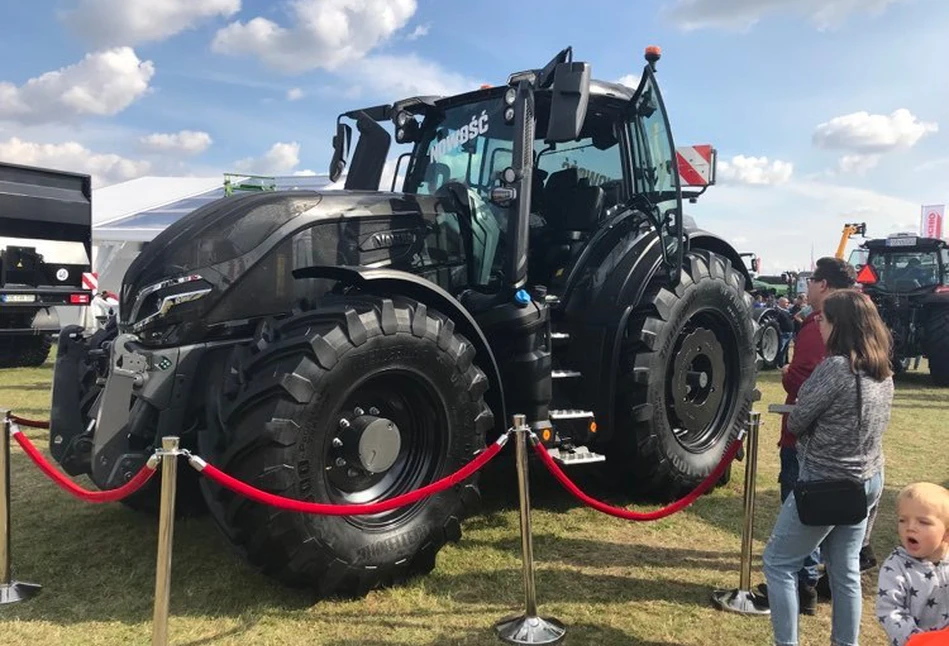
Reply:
x=185, y=289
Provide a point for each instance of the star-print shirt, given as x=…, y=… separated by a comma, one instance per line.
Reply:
x=913, y=596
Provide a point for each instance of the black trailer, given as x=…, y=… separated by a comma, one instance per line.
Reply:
x=45, y=248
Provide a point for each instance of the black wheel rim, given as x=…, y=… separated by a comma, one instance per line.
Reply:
x=702, y=394
x=410, y=401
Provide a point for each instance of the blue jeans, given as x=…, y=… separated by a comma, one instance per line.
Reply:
x=790, y=543
x=784, y=343
x=808, y=573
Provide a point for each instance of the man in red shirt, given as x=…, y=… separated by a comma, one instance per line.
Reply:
x=830, y=274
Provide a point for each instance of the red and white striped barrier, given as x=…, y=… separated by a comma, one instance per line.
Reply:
x=696, y=165
x=90, y=280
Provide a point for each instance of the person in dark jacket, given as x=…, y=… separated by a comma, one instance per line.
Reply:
x=786, y=326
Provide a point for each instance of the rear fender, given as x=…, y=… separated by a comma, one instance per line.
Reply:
x=384, y=282
x=699, y=239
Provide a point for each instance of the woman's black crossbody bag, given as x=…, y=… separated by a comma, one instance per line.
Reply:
x=833, y=502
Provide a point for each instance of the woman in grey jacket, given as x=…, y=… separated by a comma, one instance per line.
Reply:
x=840, y=437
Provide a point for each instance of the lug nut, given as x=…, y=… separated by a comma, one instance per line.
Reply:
x=337, y=442
x=340, y=462
x=352, y=473
x=344, y=423
x=358, y=412
x=373, y=411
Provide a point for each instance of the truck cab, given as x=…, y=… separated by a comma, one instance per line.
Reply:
x=45, y=252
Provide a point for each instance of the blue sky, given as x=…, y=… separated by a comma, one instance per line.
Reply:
x=822, y=111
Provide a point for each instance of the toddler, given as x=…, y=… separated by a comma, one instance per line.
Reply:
x=914, y=580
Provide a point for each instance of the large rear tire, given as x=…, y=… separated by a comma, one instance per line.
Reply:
x=303, y=398
x=937, y=345
x=687, y=379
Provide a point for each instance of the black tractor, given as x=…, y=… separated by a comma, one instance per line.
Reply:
x=347, y=346
x=907, y=277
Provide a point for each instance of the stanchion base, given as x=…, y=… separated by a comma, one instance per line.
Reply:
x=17, y=591
x=744, y=602
x=530, y=630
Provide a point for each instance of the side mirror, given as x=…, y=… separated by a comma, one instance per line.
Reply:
x=369, y=158
x=570, y=96
x=344, y=136
x=754, y=265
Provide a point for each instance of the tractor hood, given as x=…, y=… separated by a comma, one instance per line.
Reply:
x=189, y=269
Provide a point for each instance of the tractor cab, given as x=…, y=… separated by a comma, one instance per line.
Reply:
x=531, y=187
x=902, y=263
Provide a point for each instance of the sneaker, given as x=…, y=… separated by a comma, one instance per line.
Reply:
x=806, y=595
x=868, y=559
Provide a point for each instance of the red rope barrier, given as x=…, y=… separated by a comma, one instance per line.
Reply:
x=291, y=504
x=31, y=423
x=627, y=514
x=110, y=495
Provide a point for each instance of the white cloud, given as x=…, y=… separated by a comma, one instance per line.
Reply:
x=106, y=23
x=857, y=164
x=281, y=158
x=744, y=14
x=630, y=80
x=294, y=94
x=101, y=84
x=783, y=222
x=306, y=172
x=72, y=156
x=754, y=170
x=189, y=142
x=408, y=75
x=865, y=133
x=323, y=34
x=419, y=32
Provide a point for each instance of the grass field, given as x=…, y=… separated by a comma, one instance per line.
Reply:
x=611, y=581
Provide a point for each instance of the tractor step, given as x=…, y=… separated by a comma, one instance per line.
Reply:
x=578, y=455
x=570, y=414
x=565, y=374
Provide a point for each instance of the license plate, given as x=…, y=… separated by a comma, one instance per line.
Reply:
x=901, y=242
x=19, y=298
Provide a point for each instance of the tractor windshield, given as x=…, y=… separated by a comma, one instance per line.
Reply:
x=907, y=270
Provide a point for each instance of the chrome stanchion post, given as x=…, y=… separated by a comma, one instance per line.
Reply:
x=527, y=628
x=10, y=591
x=166, y=526
x=743, y=600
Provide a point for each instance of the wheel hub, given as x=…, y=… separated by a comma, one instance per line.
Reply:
x=368, y=442
x=698, y=385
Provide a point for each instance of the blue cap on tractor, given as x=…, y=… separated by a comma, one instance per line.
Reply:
x=521, y=297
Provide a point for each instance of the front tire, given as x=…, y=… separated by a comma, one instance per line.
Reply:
x=687, y=379
x=304, y=397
